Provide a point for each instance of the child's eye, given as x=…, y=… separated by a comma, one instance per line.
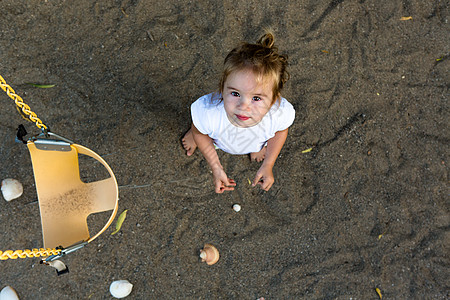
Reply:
x=235, y=94
x=256, y=98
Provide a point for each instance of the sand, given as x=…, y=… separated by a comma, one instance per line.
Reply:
x=366, y=208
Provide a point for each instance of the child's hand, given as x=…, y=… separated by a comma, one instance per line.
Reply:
x=264, y=177
x=222, y=182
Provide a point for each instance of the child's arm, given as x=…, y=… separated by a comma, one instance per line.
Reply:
x=206, y=146
x=264, y=176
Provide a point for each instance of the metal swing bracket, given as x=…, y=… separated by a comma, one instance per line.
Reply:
x=65, y=251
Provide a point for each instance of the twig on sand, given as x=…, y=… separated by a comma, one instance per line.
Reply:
x=123, y=11
x=150, y=35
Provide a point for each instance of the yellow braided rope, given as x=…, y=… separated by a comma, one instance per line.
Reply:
x=10, y=254
x=24, y=108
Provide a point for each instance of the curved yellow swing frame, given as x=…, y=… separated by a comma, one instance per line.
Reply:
x=65, y=201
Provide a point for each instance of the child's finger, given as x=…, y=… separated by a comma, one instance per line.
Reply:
x=263, y=185
x=267, y=184
x=224, y=188
x=266, y=187
x=257, y=180
x=231, y=182
x=228, y=188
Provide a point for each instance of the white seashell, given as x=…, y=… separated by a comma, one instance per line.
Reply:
x=236, y=207
x=11, y=189
x=8, y=293
x=58, y=265
x=120, y=288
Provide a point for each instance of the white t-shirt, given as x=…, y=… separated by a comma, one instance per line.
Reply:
x=210, y=118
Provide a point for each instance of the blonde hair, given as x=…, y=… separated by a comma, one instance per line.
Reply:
x=263, y=59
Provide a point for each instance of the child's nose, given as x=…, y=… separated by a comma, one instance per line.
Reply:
x=244, y=104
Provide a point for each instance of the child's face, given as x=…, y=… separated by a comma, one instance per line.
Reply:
x=246, y=100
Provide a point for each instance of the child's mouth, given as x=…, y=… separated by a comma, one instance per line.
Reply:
x=242, y=118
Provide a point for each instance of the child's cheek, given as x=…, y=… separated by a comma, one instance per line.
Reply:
x=262, y=109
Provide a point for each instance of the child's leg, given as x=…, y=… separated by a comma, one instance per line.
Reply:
x=259, y=156
x=188, y=143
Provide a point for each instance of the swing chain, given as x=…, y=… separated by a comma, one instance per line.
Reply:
x=22, y=107
x=10, y=254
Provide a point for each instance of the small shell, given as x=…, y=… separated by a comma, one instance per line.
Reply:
x=8, y=293
x=209, y=254
x=58, y=265
x=11, y=189
x=236, y=207
x=120, y=288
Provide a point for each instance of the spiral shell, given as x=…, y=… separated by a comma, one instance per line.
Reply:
x=209, y=254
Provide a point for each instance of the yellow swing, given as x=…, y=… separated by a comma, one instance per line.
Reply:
x=65, y=201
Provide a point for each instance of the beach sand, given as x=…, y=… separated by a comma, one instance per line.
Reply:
x=366, y=208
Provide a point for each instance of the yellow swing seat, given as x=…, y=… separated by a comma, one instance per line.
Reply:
x=65, y=201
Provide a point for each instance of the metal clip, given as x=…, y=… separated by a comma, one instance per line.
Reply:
x=65, y=251
x=52, y=145
x=45, y=132
x=50, y=141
